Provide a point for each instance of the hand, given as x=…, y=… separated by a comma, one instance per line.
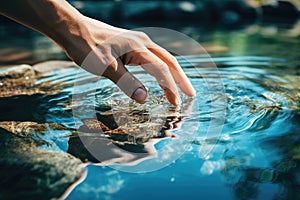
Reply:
x=104, y=50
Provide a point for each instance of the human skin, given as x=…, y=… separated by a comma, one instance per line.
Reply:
x=110, y=48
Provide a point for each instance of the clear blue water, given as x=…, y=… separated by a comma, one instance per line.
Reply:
x=255, y=156
x=250, y=159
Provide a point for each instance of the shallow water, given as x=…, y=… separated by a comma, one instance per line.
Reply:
x=238, y=139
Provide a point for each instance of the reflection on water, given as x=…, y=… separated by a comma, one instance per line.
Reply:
x=256, y=156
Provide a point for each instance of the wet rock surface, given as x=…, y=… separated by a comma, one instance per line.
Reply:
x=48, y=68
x=20, y=79
x=27, y=172
x=17, y=80
x=27, y=129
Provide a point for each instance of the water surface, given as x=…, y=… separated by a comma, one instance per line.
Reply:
x=256, y=154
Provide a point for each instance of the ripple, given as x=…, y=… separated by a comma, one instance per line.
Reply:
x=252, y=98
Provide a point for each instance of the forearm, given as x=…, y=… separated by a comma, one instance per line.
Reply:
x=101, y=46
x=55, y=18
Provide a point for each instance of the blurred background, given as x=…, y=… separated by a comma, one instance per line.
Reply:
x=197, y=18
x=254, y=43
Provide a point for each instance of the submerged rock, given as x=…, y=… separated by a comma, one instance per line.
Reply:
x=21, y=79
x=107, y=137
x=27, y=172
x=26, y=129
x=118, y=134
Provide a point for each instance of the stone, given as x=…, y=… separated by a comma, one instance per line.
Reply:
x=26, y=129
x=28, y=172
x=14, y=75
x=49, y=67
x=20, y=79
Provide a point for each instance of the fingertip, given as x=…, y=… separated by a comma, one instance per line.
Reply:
x=178, y=101
x=173, y=99
x=140, y=95
x=192, y=92
x=187, y=88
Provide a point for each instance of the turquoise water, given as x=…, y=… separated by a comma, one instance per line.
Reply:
x=238, y=139
x=254, y=157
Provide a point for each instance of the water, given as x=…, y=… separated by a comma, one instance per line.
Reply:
x=256, y=154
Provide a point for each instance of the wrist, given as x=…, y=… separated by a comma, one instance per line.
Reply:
x=78, y=39
x=64, y=24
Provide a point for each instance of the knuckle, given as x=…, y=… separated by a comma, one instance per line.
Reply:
x=143, y=36
x=163, y=68
x=173, y=59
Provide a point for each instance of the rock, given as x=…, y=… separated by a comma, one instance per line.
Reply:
x=14, y=75
x=117, y=127
x=20, y=79
x=27, y=129
x=9, y=92
x=27, y=172
x=49, y=67
x=93, y=125
x=107, y=129
x=117, y=134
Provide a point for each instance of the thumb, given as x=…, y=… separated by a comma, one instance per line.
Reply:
x=132, y=87
x=127, y=82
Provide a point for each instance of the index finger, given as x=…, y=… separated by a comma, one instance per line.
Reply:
x=159, y=69
x=178, y=74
